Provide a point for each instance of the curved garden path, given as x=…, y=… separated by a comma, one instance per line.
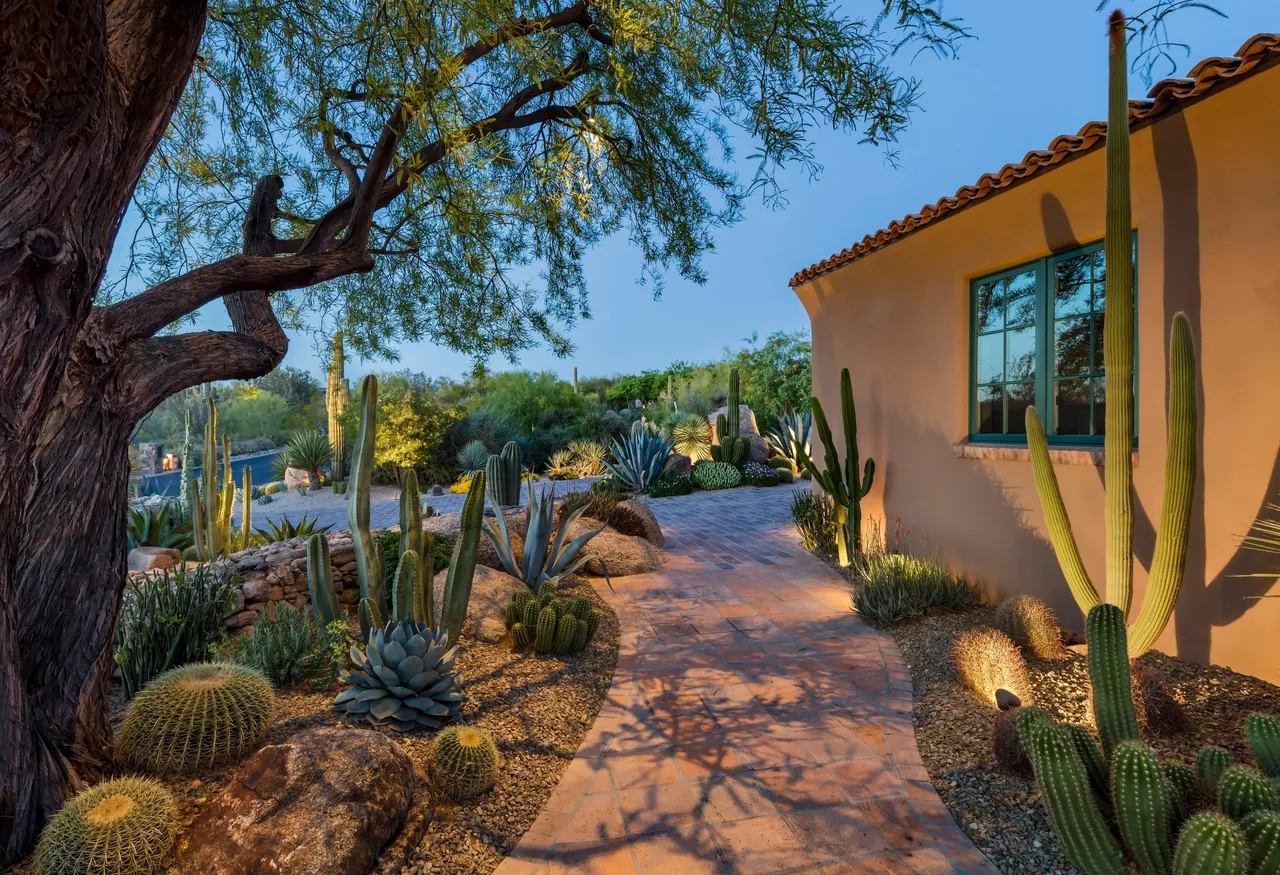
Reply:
x=755, y=724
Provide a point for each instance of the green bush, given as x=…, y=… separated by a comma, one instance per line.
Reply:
x=676, y=484
x=888, y=587
x=757, y=474
x=815, y=519
x=291, y=649
x=716, y=475
x=170, y=618
x=159, y=527
x=606, y=509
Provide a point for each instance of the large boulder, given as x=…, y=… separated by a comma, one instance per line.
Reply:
x=614, y=553
x=746, y=421
x=295, y=477
x=652, y=531
x=326, y=800
x=153, y=558
x=491, y=592
x=678, y=464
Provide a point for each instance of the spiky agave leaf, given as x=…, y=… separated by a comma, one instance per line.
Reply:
x=404, y=678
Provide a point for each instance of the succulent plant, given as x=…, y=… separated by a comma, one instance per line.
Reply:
x=552, y=625
x=790, y=429
x=547, y=556
x=403, y=678
x=638, y=459
x=1243, y=790
x=1211, y=763
x=324, y=600
x=1032, y=626
x=691, y=436
x=124, y=826
x=985, y=660
x=335, y=401
x=196, y=718
x=1263, y=733
x=716, y=475
x=1262, y=831
x=1007, y=745
x=503, y=471
x=729, y=445
x=464, y=762
x=1211, y=844
x=1142, y=805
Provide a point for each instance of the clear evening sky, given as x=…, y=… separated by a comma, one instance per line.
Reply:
x=1036, y=69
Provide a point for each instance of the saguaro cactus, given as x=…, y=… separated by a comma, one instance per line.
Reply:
x=730, y=446
x=503, y=471
x=368, y=552
x=335, y=402
x=1168, y=563
x=842, y=486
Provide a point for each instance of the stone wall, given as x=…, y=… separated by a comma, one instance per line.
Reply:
x=278, y=572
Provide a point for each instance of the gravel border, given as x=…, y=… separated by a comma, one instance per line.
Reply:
x=1000, y=812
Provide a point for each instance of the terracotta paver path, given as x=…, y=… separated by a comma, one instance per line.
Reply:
x=755, y=724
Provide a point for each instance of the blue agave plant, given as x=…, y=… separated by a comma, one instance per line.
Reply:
x=639, y=458
x=544, y=560
x=791, y=428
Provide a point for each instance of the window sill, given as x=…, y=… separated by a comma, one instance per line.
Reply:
x=1090, y=456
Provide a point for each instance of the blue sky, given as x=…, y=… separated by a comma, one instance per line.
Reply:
x=1036, y=69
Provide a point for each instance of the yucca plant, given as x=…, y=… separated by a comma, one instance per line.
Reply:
x=1264, y=536
x=287, y=531
x=561, y=466
x=310, y=451
x=639, y=458
x=473, y=457
x=545, y=559
x=157, y=527
x=791, y=429
x=691, y=436
x=588, y=457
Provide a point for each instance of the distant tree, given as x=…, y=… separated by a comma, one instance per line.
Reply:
x=255, y=413
x=529, y=400
x=295, y=386
x=644, y=387
x=777, y=375
x=412, y=425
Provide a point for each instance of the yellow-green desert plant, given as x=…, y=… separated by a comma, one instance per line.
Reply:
x=1167, y=564
x=985, y=661
x=125, y=826
x=196, y=718
x=211, y=505
x=1032, y=626
x=691, y=436
x=464, y=762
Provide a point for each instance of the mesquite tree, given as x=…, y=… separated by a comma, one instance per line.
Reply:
x=397, y=169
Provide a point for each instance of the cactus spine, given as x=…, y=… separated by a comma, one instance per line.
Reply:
x=1211, y=844
x=1112, y=682
x=1180, y=462
x=368, y=553
x=1210, y=766
x=1243, y=790
x=503, y=471
x=335, y=402
x=324, y=601
x=842, y=487
x=730, y=446
x=1142, y=806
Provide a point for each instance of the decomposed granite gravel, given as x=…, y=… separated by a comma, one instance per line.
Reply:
x=1001, y=812
x=538, y=710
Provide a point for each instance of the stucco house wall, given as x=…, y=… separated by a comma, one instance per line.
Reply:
x=1206, y=206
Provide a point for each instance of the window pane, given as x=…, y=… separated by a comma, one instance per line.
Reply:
x=991, y=358
x=1021, y=396
x=1099, y=405
x=1021, y=311
x=1071, y=349
x=1020, y=362
x=1071, y=286
x=1098, y=364
x=1071, y=407
x=990, y=410
x=1022, y=284
x=991, y=306
x=1099, y=280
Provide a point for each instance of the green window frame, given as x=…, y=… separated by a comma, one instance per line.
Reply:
x=1035, y=339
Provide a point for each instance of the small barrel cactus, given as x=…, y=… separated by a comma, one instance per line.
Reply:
x=121, y=827
x=464, y=762
x=197, y=717
x=985, y=660
x=1184, y=786
x=1030, y=623
x=1211, y=843
x=1243, y=790
x=404, y=678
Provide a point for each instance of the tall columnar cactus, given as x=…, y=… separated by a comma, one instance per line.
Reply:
x=730, y=446
x=462, y=563
x=335, y=402
x=842, y=486
x=246, y=502
x=324, y=600
x=1112, y=682
x=1169, y=560
x=503, y=471
x=211, y=505
x=417, y=601
x=1142, y=806
x=184, y=496
x=368, y=551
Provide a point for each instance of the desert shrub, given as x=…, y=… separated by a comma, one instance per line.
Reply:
x=676, y=484
x=605, y=508
x=170, y=618
x=560, y=466
x=290, y=649
x=461, y=486
x=986, y=660
x=758, y=474
x=256, y=413
x=716, y=475
x=1006, y=744
x=815, y=520
x=1156, y=707
x=889, y=587
x=588, y=457
x=1030, y=623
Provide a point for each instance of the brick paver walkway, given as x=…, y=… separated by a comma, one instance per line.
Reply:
x=755, y=724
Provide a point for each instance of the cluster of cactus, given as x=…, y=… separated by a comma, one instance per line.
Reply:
x=1169, y=559
x=211, y=505
x=335, y=402
x=504, y=474
x=403, y=678
x=1031, y=624
x=125, y=826
x=546, y=557
x=715, y=475
x=730, y=446
x=463, y=762
x=552, y=625
x=412, y=596
x=842, y=486
x=1150, y=802
x=196, y=718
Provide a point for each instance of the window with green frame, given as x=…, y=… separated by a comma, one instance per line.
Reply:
x=1036, y=340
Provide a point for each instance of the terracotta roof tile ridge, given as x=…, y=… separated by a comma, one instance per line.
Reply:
x=1165, y=96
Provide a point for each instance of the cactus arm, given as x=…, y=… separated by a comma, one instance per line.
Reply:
x=1110, y=675
x=411, y=525
x=462, y=564
x=228, y=493
x=246, y=504
x=1055, y=516
x=184, y=495
x=335, y=404
x=1169, y=560
x=1142, y=807
x=405, y=597
x=1118, y=331
x=368, y=569
x=320, y=579
x=849, y=420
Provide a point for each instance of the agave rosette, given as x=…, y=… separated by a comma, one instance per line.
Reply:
x=403, y=678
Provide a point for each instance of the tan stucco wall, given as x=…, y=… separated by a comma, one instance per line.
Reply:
x=1206, y=203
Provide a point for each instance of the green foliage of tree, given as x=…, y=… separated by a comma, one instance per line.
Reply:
x=777, y=375
x=529, y=400
x=644, y=387
x=255, y=413
x=297, y=387
x=412, y=425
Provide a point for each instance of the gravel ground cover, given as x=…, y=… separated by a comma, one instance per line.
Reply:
x=1001, y=812
x=538, y=710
